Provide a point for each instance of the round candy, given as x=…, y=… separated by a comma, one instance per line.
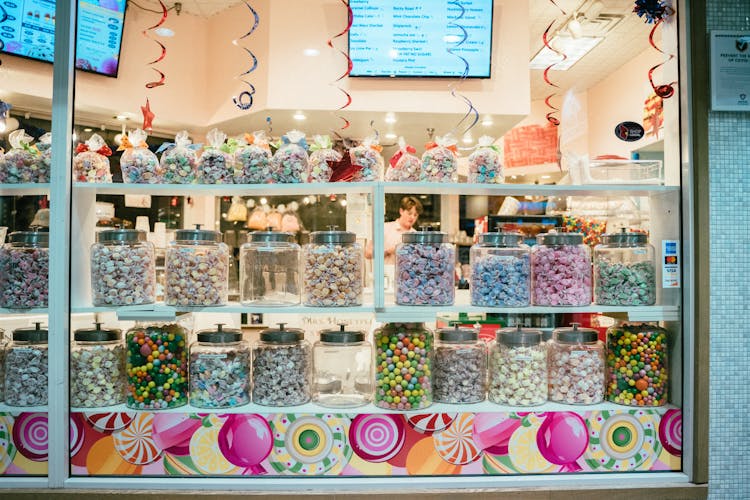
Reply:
x=180, y=465
x=637, y=372
x=101, y=461
x=423, y=460
x=310, y=444
x=377, y=438
x=360, y=467
x=498, y=464
x=622, y=441
x=172, y=431
x=492, y=431
x=7, y=450
x=245, y=440
x=670, y=432
x=428, y=423
x=108, y=422
x=136, y=444
x=455, y=444
x=31, y=435
x=204, y=451
x=412, y=437
x=76, y=433
x=523, y=449
x=562, y=437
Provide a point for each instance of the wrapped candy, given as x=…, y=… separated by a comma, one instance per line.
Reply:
x=178, y=160
x=369, y=160
x=439, y=161
x=91, y=162
x=44, y=162
x=21, y=163
x=138, y=164
x=404, y=166
x=322, y=152
x=252, y=160
x=484, y=163
x=289, y=163
x=215, y=164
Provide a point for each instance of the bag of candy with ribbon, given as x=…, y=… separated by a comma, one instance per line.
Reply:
x=367, y=157
x=20, y=163
x=179, y=161
x=216, y=164
x=91, y=162
x=44, y=163
x=404, y=165
x=290, y=161
x=485, y=166
x=439, y=161
x=138, y=164
x=252, y=160
x=322, y=152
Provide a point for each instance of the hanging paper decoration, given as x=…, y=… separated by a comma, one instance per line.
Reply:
x=453, y=87
x=655, y=11
x=350, y=19
x=148, y=116
x=548, y=100
x=160, y=81
x=244, y=101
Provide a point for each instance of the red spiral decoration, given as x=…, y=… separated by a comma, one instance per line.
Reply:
x=548, y=100
x=350, y=19
x=160, y=81
x=664, y=91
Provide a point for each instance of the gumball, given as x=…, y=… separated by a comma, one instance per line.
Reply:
x=245, y=440
x=562, y=437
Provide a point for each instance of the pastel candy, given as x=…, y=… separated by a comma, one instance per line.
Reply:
x=31, y=435
x=135, y=444
x=377, y=438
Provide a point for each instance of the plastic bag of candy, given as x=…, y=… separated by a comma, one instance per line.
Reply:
x=439, y=161
x=179, y=161
x=322, y=152
x=216, y=165
x=367, y=157
x=289, y=163
x=44, y=145
x=138, y=164
x=21, y=163
x=252, y=160
x=485, y=166
x=404, y=165
x=91, y=162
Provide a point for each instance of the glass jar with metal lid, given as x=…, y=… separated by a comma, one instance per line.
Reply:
x=459, y=374
x=624, y=270
x=560, y=270
x=197, y=269
x=219, y=369
x=333, y=269
x=123, y=268
x=26, y=367
x=342, y=367
x=425, y=269
x=500, y=271
x=518, y=367
x=576, y=366
x=24, y=270
x=282, y=367
x=3, y=346
x=97, y=368
x=269, y=269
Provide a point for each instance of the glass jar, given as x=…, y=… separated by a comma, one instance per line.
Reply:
x=97, y=368
x=576, y=366
x=157, y=366
x=282, y=367
x=342, y=366
x=500, y=271
x=24, y=270
x=518, y=367
x=3, y=348
x=123, y=268
x=197, y=269
x=425, y=269
x=396, y=371
x=459, y=374
x=560, y=270
x=219, y=369
x=333, y=269
x=624, y=270
x=637, y=365
x=26, y=367
x=269, y=269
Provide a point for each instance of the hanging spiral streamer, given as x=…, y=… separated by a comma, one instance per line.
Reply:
x=548, y=100
x=350, y=19
x=3, y=18
x=655, y=11
x=160, y=81
x=453, y=87
x=244, y=101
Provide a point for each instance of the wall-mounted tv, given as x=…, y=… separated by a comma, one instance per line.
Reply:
x=29, y=31
x=411, y=38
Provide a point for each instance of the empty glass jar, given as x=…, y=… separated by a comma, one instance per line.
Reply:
x=561, y=270
x=576, y=366
x=425, y=269
x=24, y=270
x=282, y=367
x=269, y=269
x=123, y=268
x=26, y=367
x=459, y=374
x=500, y=271
x=518, y=368
x=219, y=369
x=97, y=368
x=333, y=264
x=342, y=365
x=624, y=270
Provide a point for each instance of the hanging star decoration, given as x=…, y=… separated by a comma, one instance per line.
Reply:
x=652, y=10
x=148, y=116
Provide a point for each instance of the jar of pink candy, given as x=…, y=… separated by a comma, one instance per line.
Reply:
x=439, y=161
x=333, y=269
x=425, y=269
x=289, y=163
x=561, y=270
x=20, y=164
x=576, y=366
x=91, y=162
x=318, y=169
x=197, y=269
x=24, y=270
x=123, y=268
x=215, y=165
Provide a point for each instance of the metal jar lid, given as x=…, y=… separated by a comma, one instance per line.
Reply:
x=341, y=336
x=123, y=235
x=97, y=334
x=219, y=335
x=457, y=334
x=333, y=236
x=424, y=235
x=560, y=239
x=624, y=238
x=575, y=335
x=269, y=236
x=518, y=337
x=282, y=335
x=29, y=238
x=501, y=239
x=198, y=235
x=35, y=334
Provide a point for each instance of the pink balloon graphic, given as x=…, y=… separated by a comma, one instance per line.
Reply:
x=491, y=431
x=172, y=432
x=245, y=440
x=562, y=439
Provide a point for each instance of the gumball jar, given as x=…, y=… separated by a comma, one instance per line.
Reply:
x=625, y=270
x=24, y=270
x=425, y=269
x=576, y=364
x=123, y=268
x=500, y=271
x=269, y=269
x=282, y=367
x=333, y=269
x=560, y=270
x=403, y=366
x=637, y=365
x=342, y=369
x=98, y=375
x=518, y=367
x=25, y=376
x=157, y=366
x=459, y=374
x=219, y=369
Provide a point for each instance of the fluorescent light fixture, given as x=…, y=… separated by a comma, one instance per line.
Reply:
x=573, y=48
x=546, y=177
x=88, y=129
x=299, y=116
x=311, y=52
x=487, y=122
x=390, y=118
x=391, y=135
x=121, y=118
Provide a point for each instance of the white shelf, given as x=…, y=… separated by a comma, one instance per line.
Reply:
x=23, y=312
x=523, y=189
x=28, y=189
x=228, y=189
x=23, y=409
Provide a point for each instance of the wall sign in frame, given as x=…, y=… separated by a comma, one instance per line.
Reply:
x=730, y=71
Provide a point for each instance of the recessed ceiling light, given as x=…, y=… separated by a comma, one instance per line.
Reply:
x=546, y=177
x=487, y=122
x=121, y=118
x=299, y=116
x=573, y=48
x=391, y=135
x=165, y=32
x=514, y=177
x=263, y=201
x=311, y=52
x=467, y=139
x=88, y=129
x=390, y=118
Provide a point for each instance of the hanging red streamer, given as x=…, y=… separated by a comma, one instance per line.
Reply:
x=244, y=101
x=548, y=100
x=348, y=97
x=667, y=90
x=160, y=81
x=453, y=88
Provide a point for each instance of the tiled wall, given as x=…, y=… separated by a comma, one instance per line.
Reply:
x=729, y=173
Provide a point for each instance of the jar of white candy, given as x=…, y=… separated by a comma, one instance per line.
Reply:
x=282, y=367
x=123, y=268
x=333, y=269
x=97, y=368
x=342, y=362
x=518, y=368
x=26, y=367
x=219, y=369
x=624, y=270
x=576, y=366
x=459, y=373
x=3, y=347
x=269, y=269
